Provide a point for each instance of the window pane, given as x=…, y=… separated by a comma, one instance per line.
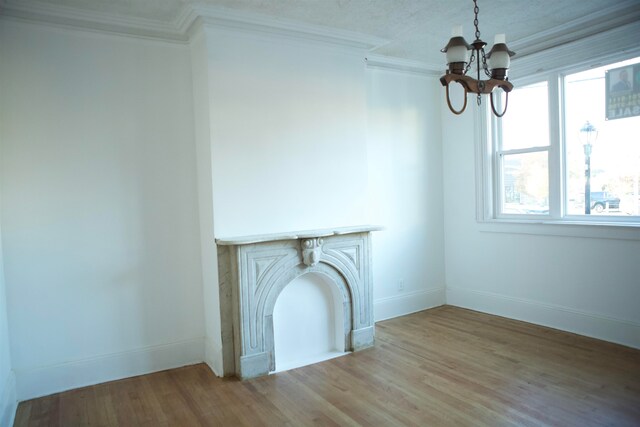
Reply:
x=614, y=155
x=526, y=123
x=525, y=183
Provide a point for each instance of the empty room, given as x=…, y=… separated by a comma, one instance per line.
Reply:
x=319, y=212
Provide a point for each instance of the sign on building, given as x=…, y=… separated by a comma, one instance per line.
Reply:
x=623, y=92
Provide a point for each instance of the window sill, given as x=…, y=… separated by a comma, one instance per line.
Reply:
x=565, y=228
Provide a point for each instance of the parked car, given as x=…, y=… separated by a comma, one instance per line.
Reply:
x=601, y=200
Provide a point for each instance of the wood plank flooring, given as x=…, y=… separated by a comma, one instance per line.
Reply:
x=442, y=367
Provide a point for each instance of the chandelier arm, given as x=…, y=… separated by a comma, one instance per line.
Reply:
x=506, y=104
x=464, y=106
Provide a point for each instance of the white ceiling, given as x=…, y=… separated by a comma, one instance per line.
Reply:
x=414, y=29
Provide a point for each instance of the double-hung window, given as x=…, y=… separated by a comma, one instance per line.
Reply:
x=568, y=148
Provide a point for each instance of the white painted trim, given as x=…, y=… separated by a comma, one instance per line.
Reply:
x=66, y=16
x=42, y=381
x=606, y=46
x=405, y=65
x=407, y=303
x=621, y=19
x=179, y=27
x=185, y=19
x=213, y=357
x=583, y=229
x=92, y=33
x=8, y=401
x=261, y=24
x=581, y=322
x=605, y=19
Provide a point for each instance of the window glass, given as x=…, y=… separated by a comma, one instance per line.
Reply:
x=526, y=123
x=525, y=183
x=614, y=150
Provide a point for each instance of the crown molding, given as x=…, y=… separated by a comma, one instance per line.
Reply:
x=382, y=62
x=180, y=28
x=595, y=50
x=249, y=22
x=606, y=19
x=37, y=11
x=185, y=20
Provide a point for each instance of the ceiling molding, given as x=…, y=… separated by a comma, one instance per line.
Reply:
x=185, y=19
x=178, y=29
x=224, y=18
x=604, y=20
x=382, y=62
x=592, y=51
x=32, y=10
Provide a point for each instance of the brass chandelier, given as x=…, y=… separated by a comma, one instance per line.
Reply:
x=459, y=63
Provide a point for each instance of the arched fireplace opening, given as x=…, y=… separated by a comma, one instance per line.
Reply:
x=308, y=322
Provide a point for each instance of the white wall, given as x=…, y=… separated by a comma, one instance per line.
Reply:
x=288, y=134
x=208, y=253
x=99, y=214
x=8, y=399
x=584, y=285
x=288, y=142
x=110, y=207
x=405, y=191
x=292, y=148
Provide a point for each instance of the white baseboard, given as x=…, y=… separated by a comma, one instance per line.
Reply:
x=554, y=316
x=32, y=383
x=8, y=401
x=411, y=302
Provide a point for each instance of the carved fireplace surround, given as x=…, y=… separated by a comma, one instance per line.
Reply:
x=253, y=270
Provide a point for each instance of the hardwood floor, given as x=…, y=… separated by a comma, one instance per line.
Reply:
x=441, y=367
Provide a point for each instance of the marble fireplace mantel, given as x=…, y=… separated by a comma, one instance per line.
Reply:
x=253, y=270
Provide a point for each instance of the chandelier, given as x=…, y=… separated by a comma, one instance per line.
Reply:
x=459, y=63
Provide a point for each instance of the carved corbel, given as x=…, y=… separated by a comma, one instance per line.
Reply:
x=311, y=251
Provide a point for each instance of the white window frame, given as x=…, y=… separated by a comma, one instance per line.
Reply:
x=557, y=221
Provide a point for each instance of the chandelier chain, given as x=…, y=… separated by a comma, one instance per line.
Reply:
x=476, y=9
x=473, y=57
x=484, y=64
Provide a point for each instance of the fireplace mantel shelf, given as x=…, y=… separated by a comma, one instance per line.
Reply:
x=307, y=234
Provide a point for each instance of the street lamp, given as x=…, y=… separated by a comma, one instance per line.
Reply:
x=588, y=135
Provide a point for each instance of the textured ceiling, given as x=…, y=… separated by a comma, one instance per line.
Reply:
x=416, y=29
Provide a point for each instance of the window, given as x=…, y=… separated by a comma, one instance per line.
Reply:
x=568, y=148
x=523, y=153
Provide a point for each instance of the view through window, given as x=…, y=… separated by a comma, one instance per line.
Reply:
x=524, y=151
x=595, y=171
x=614, y=154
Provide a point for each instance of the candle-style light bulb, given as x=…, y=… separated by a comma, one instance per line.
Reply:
x=499, y=57
x=500, y=38
x=457, y=50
